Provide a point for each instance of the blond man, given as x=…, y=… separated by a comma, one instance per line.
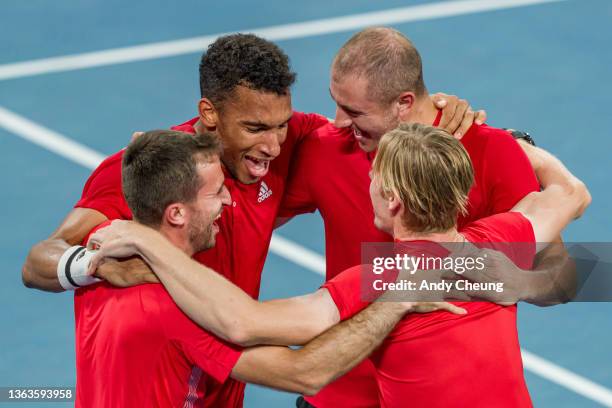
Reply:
x=417, y=361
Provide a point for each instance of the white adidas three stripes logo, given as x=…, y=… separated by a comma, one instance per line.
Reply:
x=264, y=192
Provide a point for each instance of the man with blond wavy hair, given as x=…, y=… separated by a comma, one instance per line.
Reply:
x=419, y=184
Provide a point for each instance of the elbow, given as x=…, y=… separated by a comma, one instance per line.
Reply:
x=311, y=391
x=26, y=276
x=586, y=199
x=583, y=197
x=311, y=378
x=239, y=334
x=311, y=384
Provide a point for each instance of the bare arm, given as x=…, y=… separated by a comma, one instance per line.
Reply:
x=563, y=199
x=325, y=358
x=553, y=279
x=210, y=299
x=40, y=268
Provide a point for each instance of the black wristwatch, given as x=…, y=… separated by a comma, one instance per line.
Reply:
x=519, y=134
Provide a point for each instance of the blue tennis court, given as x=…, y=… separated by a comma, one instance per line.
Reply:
x=538, y=65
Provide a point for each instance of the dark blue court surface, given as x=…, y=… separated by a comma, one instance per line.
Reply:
x=544, y=68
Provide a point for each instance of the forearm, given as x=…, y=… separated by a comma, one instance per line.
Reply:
x=345, y=345
x=553, y=279
x=294, y=321
x=39, y=270
x=325, y=358
x=551, y=172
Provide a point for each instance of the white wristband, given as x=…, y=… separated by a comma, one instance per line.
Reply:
x=73, y=266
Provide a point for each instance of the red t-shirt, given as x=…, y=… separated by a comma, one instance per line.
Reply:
x=135, y=348
x=245, y=228
x=441, y=359
x=331, y=174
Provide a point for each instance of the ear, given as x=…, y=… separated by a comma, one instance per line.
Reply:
x=176, y=215
x=394, y=205
x=405, y=102
x=209, y=115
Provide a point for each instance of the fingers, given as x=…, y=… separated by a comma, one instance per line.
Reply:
x=448, y=111
x=461, y=120
x=136, y=135
x=151, y=278
x=439, y=99
x=449, y=307
x=427, y=307
x=481, y=117
x=458, y=296
x=95, y=261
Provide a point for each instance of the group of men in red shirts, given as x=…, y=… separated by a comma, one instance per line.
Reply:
x=278, y=163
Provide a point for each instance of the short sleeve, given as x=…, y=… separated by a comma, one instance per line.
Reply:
x=509, y=174
x=510, y=233
x=94, y=229
x=345, y=290
x=103, y=191
x=298, y=197
x=303, y=124
x=213, y=355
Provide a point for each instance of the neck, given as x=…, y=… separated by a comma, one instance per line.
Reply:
x=401, y=233
x=423, y=111
x=177, y=237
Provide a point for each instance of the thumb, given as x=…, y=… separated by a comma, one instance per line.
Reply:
x=440, y=102
x=95, y=262
x=136, y=135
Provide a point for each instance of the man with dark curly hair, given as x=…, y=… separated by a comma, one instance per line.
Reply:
x=246, y=102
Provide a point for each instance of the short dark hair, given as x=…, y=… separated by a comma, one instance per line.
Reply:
x=247, y=60
x=386, y=58
x=159, y=168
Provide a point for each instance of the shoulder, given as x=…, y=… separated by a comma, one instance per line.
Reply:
x=302, y=124
x=112, y=162
x=331, y=137
x=494, y=139
x=503, y=227
x=108, y=171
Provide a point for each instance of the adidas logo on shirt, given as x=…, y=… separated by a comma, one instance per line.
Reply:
x=264, y=192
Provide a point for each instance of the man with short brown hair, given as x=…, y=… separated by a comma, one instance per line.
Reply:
x=418, y=362
x=376, y=80
x=134, y=346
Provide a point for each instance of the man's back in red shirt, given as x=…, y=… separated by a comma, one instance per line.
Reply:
x=439, y=359
x=331, y=174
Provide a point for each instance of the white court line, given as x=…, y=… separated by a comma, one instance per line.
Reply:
x=273, y=33
x=297, y=254
x=287, y=249
x=567, y=379
x=49, y=139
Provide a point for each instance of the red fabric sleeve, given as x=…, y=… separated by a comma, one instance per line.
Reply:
x=94, y=229
x=298, y=197
x=303, y=124
x=213, y=355
x=102, y=191
x=510, y=233
x=345, y=290
x=510, y=175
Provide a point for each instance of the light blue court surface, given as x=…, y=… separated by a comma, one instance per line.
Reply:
x=544, y=68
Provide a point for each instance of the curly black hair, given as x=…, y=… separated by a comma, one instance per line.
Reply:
x=247, y=60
